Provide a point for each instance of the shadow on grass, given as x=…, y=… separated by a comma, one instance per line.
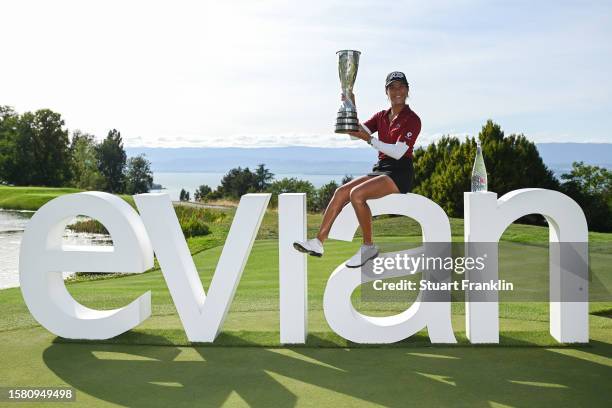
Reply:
x=604, y=313
x=146, y=376
x=327, y=339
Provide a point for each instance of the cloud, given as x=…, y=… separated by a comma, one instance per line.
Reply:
x=264, y=73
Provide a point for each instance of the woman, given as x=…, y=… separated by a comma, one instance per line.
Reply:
x=397, y=127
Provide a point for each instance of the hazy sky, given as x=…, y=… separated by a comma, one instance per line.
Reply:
x=264, y=73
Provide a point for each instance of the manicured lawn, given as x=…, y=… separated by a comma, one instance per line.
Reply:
x=151, y=365
x=155, y=365
x=32, y=198
x=163, y=376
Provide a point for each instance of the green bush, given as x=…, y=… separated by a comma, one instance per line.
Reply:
x=90, y=226
x=193, y=221
x=193, y=227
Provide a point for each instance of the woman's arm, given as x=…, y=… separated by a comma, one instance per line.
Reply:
x=395, y=150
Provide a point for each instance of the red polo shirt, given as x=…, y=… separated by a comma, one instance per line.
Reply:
x=405, y=127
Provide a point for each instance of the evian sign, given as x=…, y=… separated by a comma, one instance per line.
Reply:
x=136, y=237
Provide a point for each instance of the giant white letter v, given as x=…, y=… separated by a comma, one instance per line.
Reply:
x=202, y=316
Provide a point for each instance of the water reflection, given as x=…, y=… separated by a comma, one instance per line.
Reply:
x=12, y=225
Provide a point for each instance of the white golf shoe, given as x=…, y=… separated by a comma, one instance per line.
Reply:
x=312, y=247
x=363, y=255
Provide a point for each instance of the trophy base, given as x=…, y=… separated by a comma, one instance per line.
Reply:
x=346, y=114
x=346, y=121
x=346, y=129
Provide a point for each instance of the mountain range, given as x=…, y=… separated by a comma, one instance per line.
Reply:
x=320, y=160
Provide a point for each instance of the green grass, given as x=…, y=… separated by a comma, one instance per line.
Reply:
x=32, y=198
x=154, y=376
x=155, y=364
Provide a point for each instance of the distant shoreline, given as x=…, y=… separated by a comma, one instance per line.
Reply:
x=332, y=160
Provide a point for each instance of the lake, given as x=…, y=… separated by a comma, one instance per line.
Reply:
x=12, y=225
x=173, y=182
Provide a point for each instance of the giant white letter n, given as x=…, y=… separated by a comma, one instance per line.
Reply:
x=486, y=218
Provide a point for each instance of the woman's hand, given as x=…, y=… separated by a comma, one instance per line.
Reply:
x=361, y=134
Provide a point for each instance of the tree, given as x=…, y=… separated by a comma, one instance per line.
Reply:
x=237, y=182
x=184, y=195
x=138, y=177
x=443, y=169
x=201, y=193
x=591, y=188
x=41, y=153
x=85, y=174
x=325, y=194
x=263, y=177
x=293, y=185
x=513, y=161
x=442, y=173
x=590, y=179
x=346, y=179
x=111, y=162
x=8, y=135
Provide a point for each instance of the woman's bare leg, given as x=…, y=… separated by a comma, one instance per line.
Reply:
x=339, y=200
x=378, y=187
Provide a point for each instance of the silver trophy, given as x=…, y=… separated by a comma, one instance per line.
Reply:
x=348, y=62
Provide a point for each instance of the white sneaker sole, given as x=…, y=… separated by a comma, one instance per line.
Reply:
x=364, y=262
x=300, y=248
